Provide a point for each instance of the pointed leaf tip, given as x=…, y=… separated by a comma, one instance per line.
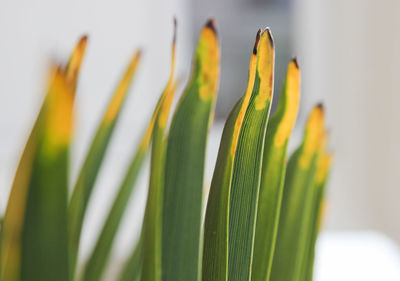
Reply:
x=175, y=28
x=257, y=41
x=270, y=37
x=296, y=63
x=211, y=25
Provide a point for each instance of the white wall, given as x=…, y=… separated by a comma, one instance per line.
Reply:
x=349, y=56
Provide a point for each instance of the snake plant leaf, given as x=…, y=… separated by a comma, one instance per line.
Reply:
x=99, y=257
x=290, y=243
x=132, y=269
x=152, y=223
x=215, y=254
x=88, y=173
x=273, y=173
x=13, y=225
x=34, y=245
x=315, y=212
x=184, y=164
x=248, y=163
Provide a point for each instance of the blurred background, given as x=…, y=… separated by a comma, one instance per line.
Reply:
x=348, y=51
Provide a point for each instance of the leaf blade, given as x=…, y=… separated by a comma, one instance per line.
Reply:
x=247, y=165
x=184, y=176
x=90, y=168
x=273, y=171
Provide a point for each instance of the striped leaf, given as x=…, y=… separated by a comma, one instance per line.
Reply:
x=215, y=254
x=184, y=168
x=273, y=173
x=290, y=244
x=247, y=164
x=88, y=173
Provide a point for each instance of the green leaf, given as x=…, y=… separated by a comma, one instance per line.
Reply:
x=290, y=243
x=34, y=245
x=247, y=165
x=132, y=269
x=273, y=174
x=184, y=168
x=215, y=254
x=36, y=208
x=314, y=213
x=152, y=223
x=88, y=173
x=99, y=257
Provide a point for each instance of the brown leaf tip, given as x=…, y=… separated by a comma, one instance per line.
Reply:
x=84, y=38
x=296, y=63
x=175, y=28
x=256, y=42
x=211, y=25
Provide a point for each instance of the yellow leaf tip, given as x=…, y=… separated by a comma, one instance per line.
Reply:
x=255, y=48
x=268, y=33
x=211, y=25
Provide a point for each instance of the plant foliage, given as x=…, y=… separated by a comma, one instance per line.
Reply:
x=263, y=212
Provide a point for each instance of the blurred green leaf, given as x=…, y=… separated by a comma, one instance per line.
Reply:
x=291, y=242
x=33, y=245
x=152, y=223
x=314, y=213
x=132, y=269
x=88, y=173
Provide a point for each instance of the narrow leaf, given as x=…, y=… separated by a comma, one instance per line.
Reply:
x=290, y=246
x=132, y=268
x=184, y=168
x=152, y=223
x=34, y=245
x=247, y=165
x=314, y=212
x=88, y=173
x=215, y=255
x=273, y=174
x=61, y=90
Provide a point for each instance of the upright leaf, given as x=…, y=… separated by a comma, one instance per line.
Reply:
x=247, y=165
x=88, y=173
x=290, y=246
x=152, y=223
x=273, y=174
x=99, y=257
x=36, y=209
x=34, y=245
x=215, y=255
x=184, y=168
x=314, y=213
